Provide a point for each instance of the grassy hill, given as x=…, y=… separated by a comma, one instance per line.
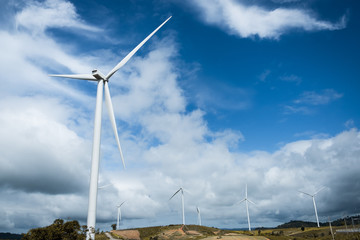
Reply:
x=195, y=232
x=173, y=232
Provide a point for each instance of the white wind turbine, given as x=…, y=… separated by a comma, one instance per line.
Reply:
x=102, y=85
x=198, y=216
x=182, y=203
x=119, y=215
x=246, y=200
x=313, y=198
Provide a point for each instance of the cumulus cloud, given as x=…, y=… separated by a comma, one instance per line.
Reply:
x=46, y=136
x=44, y=141
x=38, y=145
x=251, y=20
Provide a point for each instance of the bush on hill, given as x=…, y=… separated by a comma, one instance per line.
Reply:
x=57, y=231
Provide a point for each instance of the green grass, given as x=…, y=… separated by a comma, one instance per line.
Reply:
x=101, y=236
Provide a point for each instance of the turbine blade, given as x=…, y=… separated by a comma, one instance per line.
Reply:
x=122, y=203
x=318, y=191
x=198, y=210
x=75, y=76
x=112, y=118
x=305, y=193
x=175, y=194
x=251, y=201
x=240, y=201
x=127, y=58
x=187, y=191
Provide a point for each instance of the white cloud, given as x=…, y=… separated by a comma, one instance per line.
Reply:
x=349, y=123
x=45, y=144
x=291, y=78
x=314, y=98
x=38, y=16
x=309, y=99
x=250, y=20
x=285, y=1
x=150, y=86
x=37, y=145
x=264, y=75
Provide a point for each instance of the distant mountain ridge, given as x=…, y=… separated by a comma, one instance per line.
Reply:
x=299, y=224
x=338, y=222
x=10, y=236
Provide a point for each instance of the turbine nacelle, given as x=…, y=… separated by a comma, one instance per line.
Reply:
x=98, y=75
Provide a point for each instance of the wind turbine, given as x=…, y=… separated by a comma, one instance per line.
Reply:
x=246, y=200
x=102, y=86
x=119, y=216
x=313, y=198
x=198, y=215
x=182, y=203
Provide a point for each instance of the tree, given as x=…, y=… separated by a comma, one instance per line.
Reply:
x=84, y=229
x=113, y=226
x=57, y=231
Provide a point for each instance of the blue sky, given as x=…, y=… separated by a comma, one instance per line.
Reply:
x=227, y=93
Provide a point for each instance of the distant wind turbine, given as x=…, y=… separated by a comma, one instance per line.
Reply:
x=246, y=200
x=198, y=216
x=313, y=198
x=119, y=215
x=102, y=87
x=182, y=203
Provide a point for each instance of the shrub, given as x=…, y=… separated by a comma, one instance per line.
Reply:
x=56, y=231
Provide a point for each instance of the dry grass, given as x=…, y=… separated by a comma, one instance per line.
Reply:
x=195, y=232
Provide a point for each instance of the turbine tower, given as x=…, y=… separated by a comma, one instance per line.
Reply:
x=313, y=198
x=246, y=200
x=102, y=87
x=119, y=216
x=198, y=215
x=182, y=203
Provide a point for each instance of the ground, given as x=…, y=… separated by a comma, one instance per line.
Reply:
x=182, y=233
x=194, y=232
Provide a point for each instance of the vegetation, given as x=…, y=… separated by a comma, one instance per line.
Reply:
x=57, y=231
x=339, y=222
x=349, y=221
x=113, y=226
x=322, y=233
x=299, y=224
x=154, y=233
x=101, y=236
x=293, y=230
x=9, y=236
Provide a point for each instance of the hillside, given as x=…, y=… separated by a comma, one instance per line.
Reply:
x=299, y=224
x=178, y=232
x=10, y=236
x=339, y=222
